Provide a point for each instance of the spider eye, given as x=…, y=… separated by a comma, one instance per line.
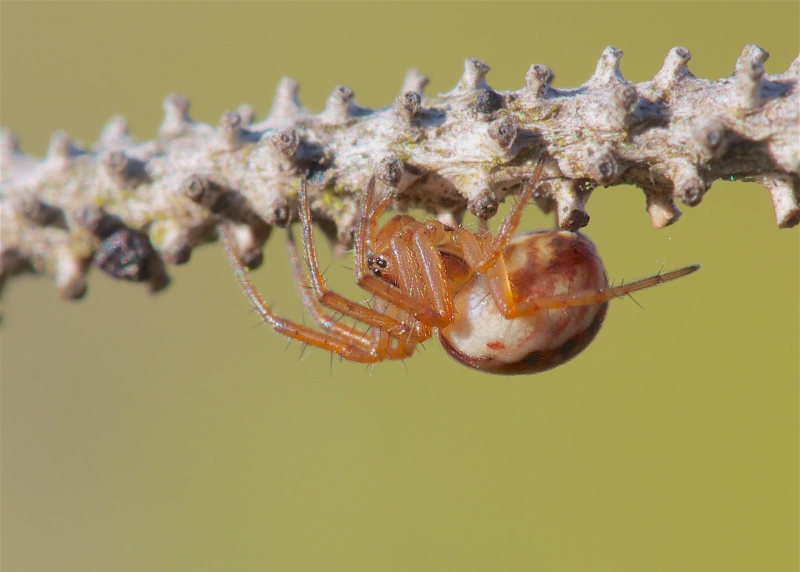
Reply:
x=370, y=260
x=381, y=261
x=376, y=272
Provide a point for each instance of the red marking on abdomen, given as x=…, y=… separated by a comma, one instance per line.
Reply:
x=496, y=346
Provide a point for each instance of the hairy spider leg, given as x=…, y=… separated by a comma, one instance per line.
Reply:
x=481, y=256
x=375, y=341
x=423, y=290
x=313, y=307
x=596, y=296
x=396, y=348
x=422, y=275
x=337, y=302
x=484, y=254
x=411, y=297
x=288, y=328
x=408, y=331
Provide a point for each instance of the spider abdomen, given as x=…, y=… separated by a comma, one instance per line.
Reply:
x=540, y=265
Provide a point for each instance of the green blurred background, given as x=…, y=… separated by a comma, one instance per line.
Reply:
x=170, y=433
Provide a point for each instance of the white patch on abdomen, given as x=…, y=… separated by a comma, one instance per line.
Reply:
x=481, y=331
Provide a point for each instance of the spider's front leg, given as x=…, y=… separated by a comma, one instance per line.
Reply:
x=402, y=264
x=349, y=347
x=337, y=302
x=376, y=341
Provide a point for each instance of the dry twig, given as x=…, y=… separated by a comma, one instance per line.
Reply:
x=129, y=207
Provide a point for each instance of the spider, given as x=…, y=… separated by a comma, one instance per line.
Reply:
x=502, y=303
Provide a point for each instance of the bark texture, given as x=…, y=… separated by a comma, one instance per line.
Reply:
x=128, y=208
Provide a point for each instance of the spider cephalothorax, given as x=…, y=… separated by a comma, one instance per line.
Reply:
x=500, y=303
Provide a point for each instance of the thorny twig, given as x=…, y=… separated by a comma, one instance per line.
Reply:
x=129, y=207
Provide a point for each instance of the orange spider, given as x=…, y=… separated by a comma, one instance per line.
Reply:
x=501, y=303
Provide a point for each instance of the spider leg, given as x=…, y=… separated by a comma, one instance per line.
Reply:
x=485, y=255
x=293, y=330
x=482, y=255
x=380, y=340
x=328, y=297
x=496, y=273
x=422, y=280
x=396, y=348
x=312, y=305
x=393, y=347
x=440, y=297
x=408, y=297
x=422, y=290
x=596, y=296
x=440, y=311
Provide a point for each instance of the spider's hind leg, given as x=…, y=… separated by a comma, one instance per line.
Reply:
x=598, y=295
